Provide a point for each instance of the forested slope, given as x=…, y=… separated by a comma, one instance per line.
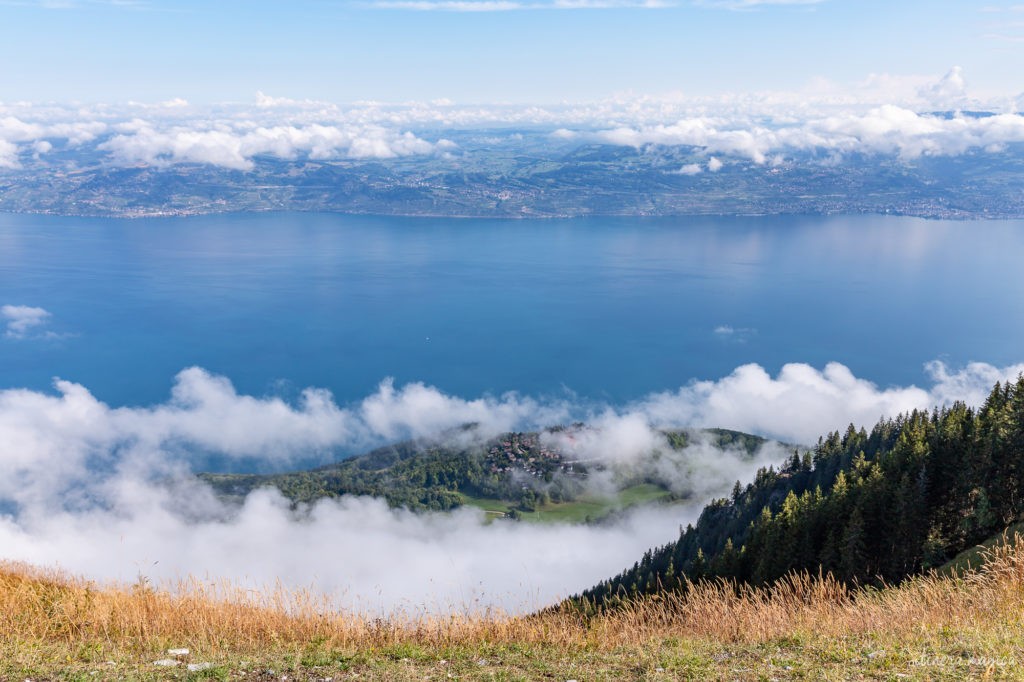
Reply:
x=866, y=506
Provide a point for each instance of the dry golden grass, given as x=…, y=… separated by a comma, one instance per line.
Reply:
x=806, y=605
x=50, y=612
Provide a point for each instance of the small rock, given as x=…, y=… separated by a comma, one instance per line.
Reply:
x=166, y=662
x=178, y=653
x=196, y=667
x=481, y=662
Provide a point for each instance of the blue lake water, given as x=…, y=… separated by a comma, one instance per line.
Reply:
x=611, y=309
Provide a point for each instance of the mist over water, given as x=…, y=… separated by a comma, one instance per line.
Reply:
x=276, y=341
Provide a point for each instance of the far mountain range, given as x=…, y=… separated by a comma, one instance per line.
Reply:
x=527, y=174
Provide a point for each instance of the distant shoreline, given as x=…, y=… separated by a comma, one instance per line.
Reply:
x=953, y=216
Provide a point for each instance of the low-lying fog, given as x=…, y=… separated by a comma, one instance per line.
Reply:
x=107, y=493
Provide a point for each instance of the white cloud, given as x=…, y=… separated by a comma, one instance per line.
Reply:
x=714, y=165
x=690, y=169
x=417, y=409
x=234, y=146
x=15, y=131
x=612, y=4
x=802, y=403
x=451, y=5
x=77, y=4
x=950, y=92
x=215, y=147
x=735, y=334
x=971, y=384
x=266, y=101
x=8, y=155
x=753, y=4
x=885, y=130
x=22, y=320
x=516, y=5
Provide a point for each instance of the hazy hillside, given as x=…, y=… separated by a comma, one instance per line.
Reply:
x=516, y=475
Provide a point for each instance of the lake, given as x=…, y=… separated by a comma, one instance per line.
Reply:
x=609, y=309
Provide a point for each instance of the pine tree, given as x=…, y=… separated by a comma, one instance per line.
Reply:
x=852, y=554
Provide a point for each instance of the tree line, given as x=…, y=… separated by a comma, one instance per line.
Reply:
x=868, y=507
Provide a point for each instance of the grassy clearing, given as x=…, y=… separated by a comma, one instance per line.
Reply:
x=586, y=508
x=804, y=627
x=642, y=494
x=493, y=507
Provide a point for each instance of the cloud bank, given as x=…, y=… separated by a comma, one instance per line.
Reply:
x=802, y=403
x=906, y=117
x=235, y=146
x=107, y=491
x=887, y=130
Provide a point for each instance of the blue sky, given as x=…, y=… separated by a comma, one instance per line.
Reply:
x=521, y=51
